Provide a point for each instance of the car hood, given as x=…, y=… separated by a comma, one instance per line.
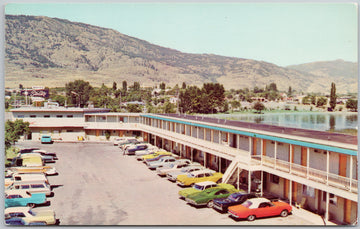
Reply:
x=223, y=201
x=238, y=208
x=198, y=195
x=188, y=191
x=45, y=213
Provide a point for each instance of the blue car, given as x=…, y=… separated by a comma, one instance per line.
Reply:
x=131, y=150
x=222, y=204
x=46, y=139
x=20, y=198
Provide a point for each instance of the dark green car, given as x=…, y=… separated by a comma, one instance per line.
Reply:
x=207, y=196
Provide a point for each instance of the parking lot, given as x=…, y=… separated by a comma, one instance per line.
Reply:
x=97, y=185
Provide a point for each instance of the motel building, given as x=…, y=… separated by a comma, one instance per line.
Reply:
x=310, y=169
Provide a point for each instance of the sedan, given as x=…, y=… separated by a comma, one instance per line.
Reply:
x=258, y=208
x=161, y=162
x=14, y=198
x=29, y=215
x=207, y=196
x=222, y=204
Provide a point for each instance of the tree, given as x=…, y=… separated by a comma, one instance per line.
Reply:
x=333, y=96
x=78, y=92
x=352, y=104
x=114, y=87
x=322, y=101
x=133, y=108
x=273, y=87
x=136, y=86
x=289, y=91
x=124, y=86
x=235, y=104
x=258, y=106
x=13, y=131
x=162, y=86
x=183, y=85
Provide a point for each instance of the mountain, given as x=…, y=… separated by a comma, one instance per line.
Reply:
x=43, y=51
x=344, y=73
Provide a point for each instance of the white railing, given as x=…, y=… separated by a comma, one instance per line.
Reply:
x=320, y=176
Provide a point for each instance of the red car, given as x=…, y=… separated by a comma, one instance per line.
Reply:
x=258, y=208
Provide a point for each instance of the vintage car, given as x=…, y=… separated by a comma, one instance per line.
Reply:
x=177, y=165
x=120, y=140
x=207, y=196
x=222, y=204
x=132, y=149
x=32, y=187
x=161, y=162
x=154, y=155
x=48, y=170
x=172, y=176
x=258, y=208
x=30, y=215
x=201, y=186
x=37, y=150
x=15, y=198
x=44, y=158
x=140, y=153
x=198, y=176
x=20, y=221
x=15, y=177
x=46, y=139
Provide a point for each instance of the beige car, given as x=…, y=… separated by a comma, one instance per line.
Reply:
x=32, y=187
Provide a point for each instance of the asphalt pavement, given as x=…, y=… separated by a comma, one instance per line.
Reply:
x=97, y=185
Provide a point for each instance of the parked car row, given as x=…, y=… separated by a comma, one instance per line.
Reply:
x=27, y=188
x=206, y=189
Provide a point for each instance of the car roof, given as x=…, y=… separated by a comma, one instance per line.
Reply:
x=259, y=200
x=205, y=183
x=202, y=171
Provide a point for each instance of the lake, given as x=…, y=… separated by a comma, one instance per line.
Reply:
x=337, y=122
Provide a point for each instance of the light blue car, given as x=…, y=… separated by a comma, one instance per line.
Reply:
x=46, y=139
x=19, y=198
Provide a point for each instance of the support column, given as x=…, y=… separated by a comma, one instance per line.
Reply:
x=307, y=161
x=351, y=171
x=249, y=181
x=238, y=141
x=327, y=166
x=219, y=164
x=250, y=145
x=275, y=153
x=262, y=183
x=192, y=154
x=204, y=159
x=220, y=137
x=238, y=178
x=197, y=132
x=290, y=192
x=326, y=217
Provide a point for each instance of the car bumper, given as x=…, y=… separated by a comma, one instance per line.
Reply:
x=233, y=215
x=218, y=207
x=192, y=202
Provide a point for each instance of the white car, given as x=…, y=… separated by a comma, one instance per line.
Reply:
x=161, y=162
x=172, y=176
x=177, y=165
x=30, y=216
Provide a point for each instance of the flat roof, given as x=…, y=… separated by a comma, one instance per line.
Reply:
x=341, y=143
x=60, y=109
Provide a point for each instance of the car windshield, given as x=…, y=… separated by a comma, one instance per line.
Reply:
x=32, y=213
x=247, y=203
x=233, y=198
x=198, y=187
x=190, y=175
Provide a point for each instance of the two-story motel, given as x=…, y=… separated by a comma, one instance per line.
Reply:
x=311, y=169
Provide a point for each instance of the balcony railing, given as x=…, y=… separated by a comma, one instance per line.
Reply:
x=320, y=176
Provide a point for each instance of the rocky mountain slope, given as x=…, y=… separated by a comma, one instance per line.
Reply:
x=50, y=52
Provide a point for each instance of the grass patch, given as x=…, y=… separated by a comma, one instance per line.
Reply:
x=10, y=153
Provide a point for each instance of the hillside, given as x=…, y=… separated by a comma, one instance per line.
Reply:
x=344, y=72
x=50, y=52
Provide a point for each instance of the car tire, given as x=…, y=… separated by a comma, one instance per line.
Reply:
x=284, y=213
x=251, y=218
x=31, y=205
x=210, y=204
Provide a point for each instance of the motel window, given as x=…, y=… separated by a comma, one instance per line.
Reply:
x=46, y=116
x=59, y=116
x=32, y=116
x=20, y=116
x=71, y=116
x=332, y=198
x=274, y=179
x=309, y=191
x=69, y=130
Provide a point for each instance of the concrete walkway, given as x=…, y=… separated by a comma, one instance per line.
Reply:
x=312, y=217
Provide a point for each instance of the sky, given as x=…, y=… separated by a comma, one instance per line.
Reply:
x=279, y=33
